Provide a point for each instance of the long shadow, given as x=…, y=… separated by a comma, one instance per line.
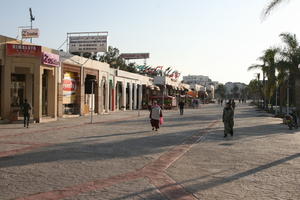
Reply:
x=95, y=150
x=112, y=135
x=194, y=188
x=259, y=131
x=139, y=193
x=220, y=181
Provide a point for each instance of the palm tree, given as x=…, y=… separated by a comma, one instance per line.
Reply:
x=288, y=66
x=254, y=89
x=221, y=91
x=271, y=6
x=268, y=68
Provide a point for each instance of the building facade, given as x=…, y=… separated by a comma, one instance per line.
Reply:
x=27, y=72
x=59, y=84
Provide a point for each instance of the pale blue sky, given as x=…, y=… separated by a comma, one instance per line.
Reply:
x=218, y=38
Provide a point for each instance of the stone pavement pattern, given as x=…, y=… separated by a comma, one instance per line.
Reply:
x=119, y=157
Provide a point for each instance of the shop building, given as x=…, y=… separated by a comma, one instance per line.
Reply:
x=83, y=86
x=29, y=72
x=129, y=90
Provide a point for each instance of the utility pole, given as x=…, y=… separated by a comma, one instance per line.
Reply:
x=32, y=18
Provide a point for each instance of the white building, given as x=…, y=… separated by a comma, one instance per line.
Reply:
x=197, y=79
x=230, y=85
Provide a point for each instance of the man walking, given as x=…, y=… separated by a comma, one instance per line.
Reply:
x=228, y=120
x=155, y=115
x=181, y=107
x=26, y=112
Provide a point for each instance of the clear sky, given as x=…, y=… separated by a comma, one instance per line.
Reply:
x=218, y=38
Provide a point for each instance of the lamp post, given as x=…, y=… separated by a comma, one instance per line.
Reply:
x=276, y=91
x=288, y=93
x=92, y=98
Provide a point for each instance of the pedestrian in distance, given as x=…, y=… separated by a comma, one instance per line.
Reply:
x=233, y=104
x=155, y=116
x=25, y=107
x=221, y=102
x=181, y=107
x=228, y=115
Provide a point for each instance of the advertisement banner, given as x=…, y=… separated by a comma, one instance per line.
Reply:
x=69, y=88
x=23, y=50
x=88, y=44
x=128, y=56
x=30, y=33
x=50, y=59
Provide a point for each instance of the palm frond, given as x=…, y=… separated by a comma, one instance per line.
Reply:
x=271, y=6
x=252, y=67
x=290, y=40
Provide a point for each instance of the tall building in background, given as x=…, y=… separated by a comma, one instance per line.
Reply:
x=199, y=80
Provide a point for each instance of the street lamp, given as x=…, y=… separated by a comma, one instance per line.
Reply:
x=92, y=98
x=288, y=93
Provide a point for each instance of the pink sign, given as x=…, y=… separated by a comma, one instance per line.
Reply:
x=50, y=59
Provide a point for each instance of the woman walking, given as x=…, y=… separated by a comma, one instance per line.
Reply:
x=155, y=115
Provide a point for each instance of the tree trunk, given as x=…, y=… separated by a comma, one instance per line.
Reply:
x=297, y=93
x=282, y=96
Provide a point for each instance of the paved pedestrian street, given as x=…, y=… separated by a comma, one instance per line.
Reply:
x=119, y=157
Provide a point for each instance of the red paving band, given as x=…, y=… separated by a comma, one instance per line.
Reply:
x=154, y=171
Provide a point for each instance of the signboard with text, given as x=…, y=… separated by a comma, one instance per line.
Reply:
x=50, y=59
x=23, y=50
x=30, y=33
x=128, y=56
x=88, y=44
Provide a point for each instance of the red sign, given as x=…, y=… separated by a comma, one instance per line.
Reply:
x=69, y=85
x=23, y=50
x=50, y=59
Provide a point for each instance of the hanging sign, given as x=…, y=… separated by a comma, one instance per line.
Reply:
x=30, y=33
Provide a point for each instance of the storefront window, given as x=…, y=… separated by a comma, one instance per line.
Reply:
x=17, y=90
x=71, y=90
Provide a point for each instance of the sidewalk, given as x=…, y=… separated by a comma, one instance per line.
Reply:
x=119, y=157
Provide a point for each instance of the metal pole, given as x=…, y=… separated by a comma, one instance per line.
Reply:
x=31, y=28
x=276, y=112
x=92, y=102
x=287, y=97
x=163, y=97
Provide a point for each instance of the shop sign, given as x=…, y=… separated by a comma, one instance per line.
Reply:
x=30, y=33
x=128, y=56
x=50, y=59
x=69, y=88
x=23, y=50
x=88, y=44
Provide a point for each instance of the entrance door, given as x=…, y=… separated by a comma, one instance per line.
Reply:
x=17, y=92
x=45, y=93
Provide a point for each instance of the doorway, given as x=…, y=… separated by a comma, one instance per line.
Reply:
x=17, y=92
x=45, y=83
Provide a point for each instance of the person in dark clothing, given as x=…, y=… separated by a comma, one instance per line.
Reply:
x=233, y=104
x=26, y=112
x=155, y=115
x=228, y=120
x=181, y=107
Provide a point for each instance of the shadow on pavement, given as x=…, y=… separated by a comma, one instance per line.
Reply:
x=95, y=150
x=219, y=181
x=112, y=135
x=194, y=188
